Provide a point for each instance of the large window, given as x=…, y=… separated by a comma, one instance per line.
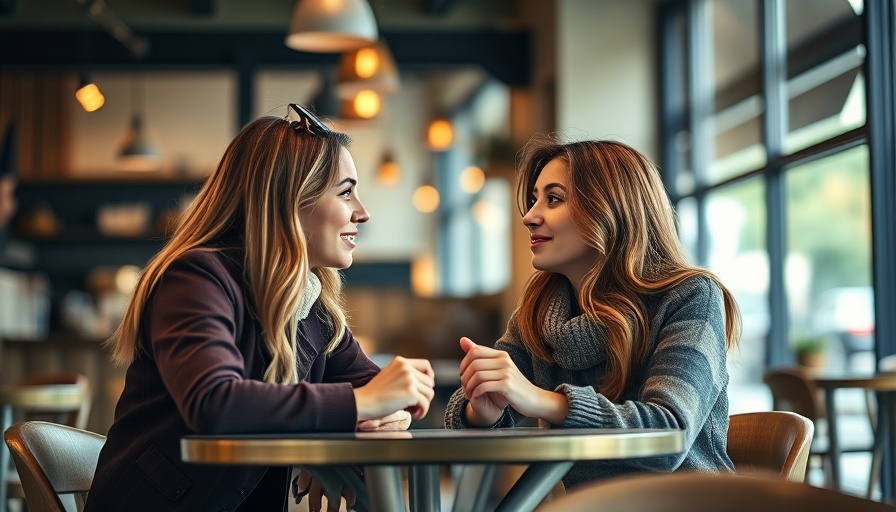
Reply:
x=778, y=137
x=828, y=265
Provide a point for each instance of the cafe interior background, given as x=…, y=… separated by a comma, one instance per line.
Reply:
x=757, y=113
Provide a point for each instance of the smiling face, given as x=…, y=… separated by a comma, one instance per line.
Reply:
x=557, y=246
x=331, y=224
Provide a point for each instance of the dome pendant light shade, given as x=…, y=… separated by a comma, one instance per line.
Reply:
x=368, y=68
x=137, y=153
x=331, y=26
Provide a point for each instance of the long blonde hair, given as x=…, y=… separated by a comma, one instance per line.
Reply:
x=267, y=174
x=620, y=208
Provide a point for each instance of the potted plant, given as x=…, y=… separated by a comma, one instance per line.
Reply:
x=809, y=351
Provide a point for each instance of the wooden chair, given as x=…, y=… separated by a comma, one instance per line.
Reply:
x=56, y=464
x=59, y=397
x=775, y=442
x=688, y=491
x=793, y=390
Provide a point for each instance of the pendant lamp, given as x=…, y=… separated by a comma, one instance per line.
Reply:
x=331, y=26
x=89, y=95
x=368, y=68
x=388, y=172
x=137, y=153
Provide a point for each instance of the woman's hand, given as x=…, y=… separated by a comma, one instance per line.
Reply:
x=491, y=381
x=399, y=420
x=403, y=385
x=305, y=484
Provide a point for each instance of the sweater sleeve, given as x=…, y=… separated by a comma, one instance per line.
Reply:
x=682, y=380
x=194, y=333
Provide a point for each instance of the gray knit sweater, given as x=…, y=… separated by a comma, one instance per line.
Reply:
x=682, y=383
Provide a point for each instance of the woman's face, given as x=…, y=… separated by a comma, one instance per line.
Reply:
x=330, y=225
x=556, y=244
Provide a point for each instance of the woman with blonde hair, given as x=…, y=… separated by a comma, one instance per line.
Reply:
x=615, y=328
x=237, y=326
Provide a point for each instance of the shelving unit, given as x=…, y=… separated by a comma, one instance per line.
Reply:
x=78, y=246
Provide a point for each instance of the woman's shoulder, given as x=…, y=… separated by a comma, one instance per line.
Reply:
x=209, y=260
x=696, y=289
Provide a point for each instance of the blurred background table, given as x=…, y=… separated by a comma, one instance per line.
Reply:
x=884, y=387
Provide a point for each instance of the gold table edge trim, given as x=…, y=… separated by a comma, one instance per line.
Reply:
x=318, y=452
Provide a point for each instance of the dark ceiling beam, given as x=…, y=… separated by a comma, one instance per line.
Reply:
x=7, y=7
x=438, y=7
x=202, y=8
x=506, y=55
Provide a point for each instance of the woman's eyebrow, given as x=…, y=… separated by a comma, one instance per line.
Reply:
x=549, y=186
x=353, y=182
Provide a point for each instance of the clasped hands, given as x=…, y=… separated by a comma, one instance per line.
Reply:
x=491, y=381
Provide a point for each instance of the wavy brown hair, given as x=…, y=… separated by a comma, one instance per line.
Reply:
x=267, y=174
x=620, y=207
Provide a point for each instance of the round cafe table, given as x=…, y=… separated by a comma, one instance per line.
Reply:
x=330, y=456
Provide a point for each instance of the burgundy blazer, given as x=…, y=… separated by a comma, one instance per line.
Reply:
x=201, y=372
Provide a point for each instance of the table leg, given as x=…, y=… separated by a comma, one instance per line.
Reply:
x=474, y=487
x=833, y=445
x=532, y=487
x=423, y=488
x=384, y=488
x=4, y=457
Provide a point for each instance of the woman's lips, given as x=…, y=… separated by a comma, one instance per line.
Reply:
x=536, y=240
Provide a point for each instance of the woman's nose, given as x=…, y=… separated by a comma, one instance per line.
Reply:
x=532, y=217
x=361, y=214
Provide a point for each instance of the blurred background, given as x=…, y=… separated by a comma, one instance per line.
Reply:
x=773, y=129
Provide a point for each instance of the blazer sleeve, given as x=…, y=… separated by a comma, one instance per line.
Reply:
x=348, y=363
x=195, y=329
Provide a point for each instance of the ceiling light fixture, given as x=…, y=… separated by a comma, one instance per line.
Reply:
x=368, y=68
x=137, y=153
x=439, y=134
x=388, y=173
x=89, y=95
x=331, y=26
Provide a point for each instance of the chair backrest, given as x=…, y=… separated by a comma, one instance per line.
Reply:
x=770, y=442
x=55, y=462
x=687, y=492
x=793, y=390
x=887, y=364
x=74, y=410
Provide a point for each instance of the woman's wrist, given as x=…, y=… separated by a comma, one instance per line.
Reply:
x=554, y=407
x=475, y=420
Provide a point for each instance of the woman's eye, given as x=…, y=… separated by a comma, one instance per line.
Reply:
x=553, y=199
x=347, y=194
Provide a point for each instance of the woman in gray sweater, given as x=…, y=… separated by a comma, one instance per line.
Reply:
x=615, y=329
